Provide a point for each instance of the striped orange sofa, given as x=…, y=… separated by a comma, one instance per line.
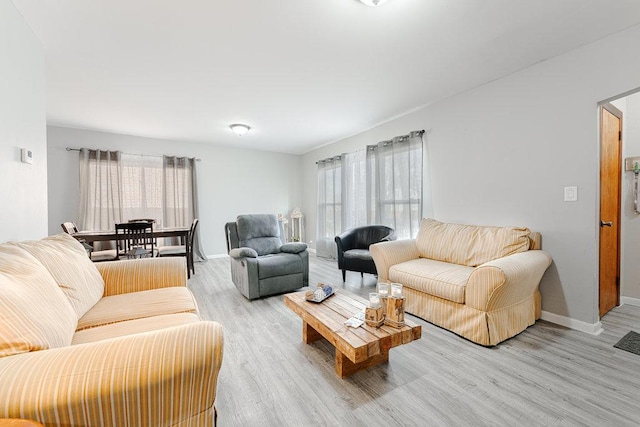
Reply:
x=108, y=344
x=480, y=282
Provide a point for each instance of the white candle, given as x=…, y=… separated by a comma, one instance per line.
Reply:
x=383, y=289
x=396, y=290
x=374, y=300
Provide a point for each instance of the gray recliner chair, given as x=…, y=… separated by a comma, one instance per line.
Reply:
x=262, y=263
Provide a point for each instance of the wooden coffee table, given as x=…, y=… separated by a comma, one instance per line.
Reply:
x=356, y=348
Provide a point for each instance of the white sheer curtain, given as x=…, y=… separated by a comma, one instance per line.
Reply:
x=100, y=204
x=379, y=185
x=354, y=190
x=329, y=206
x=180, y=196
x=396, y=170
x=178, y=192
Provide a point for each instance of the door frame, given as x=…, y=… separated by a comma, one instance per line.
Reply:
x=617, y=113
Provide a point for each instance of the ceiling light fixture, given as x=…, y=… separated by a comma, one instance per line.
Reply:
x=239, y=129
x=373, y=2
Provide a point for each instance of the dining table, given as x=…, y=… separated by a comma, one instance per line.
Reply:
x=90, y=236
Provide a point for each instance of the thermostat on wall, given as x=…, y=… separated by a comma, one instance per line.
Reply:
x=27, y=156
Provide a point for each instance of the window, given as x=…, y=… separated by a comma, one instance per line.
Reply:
x=397, y=199
x=379, y=185
x=142, y=187
x=116, y=187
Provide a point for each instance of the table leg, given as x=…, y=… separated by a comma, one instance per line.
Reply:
x=345, y=367
x=309, y=334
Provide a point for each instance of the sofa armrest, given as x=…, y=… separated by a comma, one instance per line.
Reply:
x=122, y=277
x=387, y=254
x=346, y=240
x=506, y=281
x=156, y=378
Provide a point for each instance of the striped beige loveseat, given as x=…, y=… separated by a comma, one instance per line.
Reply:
x=480, y=282
x=108, y=344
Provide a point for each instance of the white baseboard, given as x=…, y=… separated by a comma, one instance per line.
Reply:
x=631, y=301
x=578, y=325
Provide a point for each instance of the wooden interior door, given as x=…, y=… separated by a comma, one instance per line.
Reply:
x=610, y=176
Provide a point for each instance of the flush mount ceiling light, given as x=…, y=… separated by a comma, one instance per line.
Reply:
x=373, y=2
x=239, y=129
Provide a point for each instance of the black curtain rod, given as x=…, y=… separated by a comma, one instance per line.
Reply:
x=78, y=149
x=419, y=132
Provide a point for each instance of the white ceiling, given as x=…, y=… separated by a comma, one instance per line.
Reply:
x=302, y=73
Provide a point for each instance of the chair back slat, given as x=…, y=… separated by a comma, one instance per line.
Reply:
x=135, y=239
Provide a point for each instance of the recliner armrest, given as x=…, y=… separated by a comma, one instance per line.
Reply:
x=243, y=253
x=293, y=247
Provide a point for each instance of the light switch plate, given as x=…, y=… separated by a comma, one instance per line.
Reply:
x=571, y=194
x=630, y=163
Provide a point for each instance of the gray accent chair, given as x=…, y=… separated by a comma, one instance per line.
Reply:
x=262, y=264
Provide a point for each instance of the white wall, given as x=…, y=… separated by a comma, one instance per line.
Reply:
x=23, y=191
x=230, y=181
x=501, y=154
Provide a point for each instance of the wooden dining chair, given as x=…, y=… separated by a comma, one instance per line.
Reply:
x=69, y=227
x=150, y=220
x=95, y=256
x=135, y=240
x=185, y=250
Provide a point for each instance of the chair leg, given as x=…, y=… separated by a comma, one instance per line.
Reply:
x=190, y=268
x=361, y=274
x=344, y=275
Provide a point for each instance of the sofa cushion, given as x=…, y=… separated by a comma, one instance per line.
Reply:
x=138, y=305
x=259, y=232
x=469, y=245
x=441, y=279
x=34, y=313
x=136, y=326
x=280, y=264
x=67, y=261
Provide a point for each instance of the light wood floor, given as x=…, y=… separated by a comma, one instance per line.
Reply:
x=547, y=375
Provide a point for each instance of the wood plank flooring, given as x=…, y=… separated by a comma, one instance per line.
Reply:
x=547, y=375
